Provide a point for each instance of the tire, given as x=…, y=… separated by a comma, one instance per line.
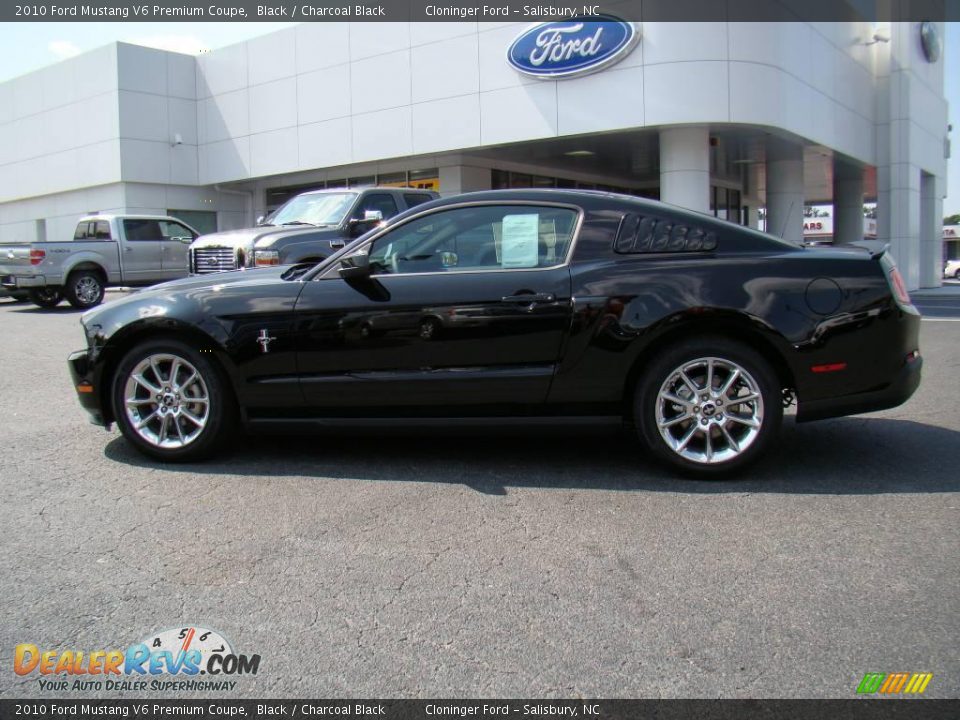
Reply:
x=176, y=430
x=46, y=297
x=956, y=275
x=84, y=289
x=728, y=440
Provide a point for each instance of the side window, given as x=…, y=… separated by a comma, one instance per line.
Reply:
x=482, y=237
x=643, y=234
x=414, y=199
x=377, y=201
x=174, y=230
x=101, y=230
x=142, y=230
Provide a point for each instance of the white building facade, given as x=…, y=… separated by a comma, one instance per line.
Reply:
x=739, y=120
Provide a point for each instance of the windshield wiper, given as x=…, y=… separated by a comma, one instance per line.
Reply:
x=297, y=222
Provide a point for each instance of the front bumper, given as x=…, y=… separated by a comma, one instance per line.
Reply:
x=892, y=395
x=22, y=282
x=87, y=393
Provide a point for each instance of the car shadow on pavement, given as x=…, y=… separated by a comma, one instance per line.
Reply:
x=847, y=456
x=64, y=309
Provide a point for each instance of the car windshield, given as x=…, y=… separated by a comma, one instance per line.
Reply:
x=314, y=209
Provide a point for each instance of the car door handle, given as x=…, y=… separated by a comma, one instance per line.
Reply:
x=530, y=298
x=337, y=244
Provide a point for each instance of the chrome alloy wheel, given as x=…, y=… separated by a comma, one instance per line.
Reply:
x=87, y=290
x=709, y=410
x=166, y=401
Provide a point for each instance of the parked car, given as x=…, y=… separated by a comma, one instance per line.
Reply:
x=951, y=269
x=306, y=229
x=106, y=250
x=579, y=307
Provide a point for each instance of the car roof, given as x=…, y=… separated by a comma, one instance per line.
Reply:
x=600, y=200
x=366, y=188
x=125, y=216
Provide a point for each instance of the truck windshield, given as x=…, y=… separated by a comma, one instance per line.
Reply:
x=314, y=209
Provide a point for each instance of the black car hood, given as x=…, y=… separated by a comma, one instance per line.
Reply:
x=247, y=238
x=214, y=282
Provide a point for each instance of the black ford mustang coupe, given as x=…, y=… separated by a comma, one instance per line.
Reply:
x=515, y=307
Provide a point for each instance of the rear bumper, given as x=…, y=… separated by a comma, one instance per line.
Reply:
x=894, y=394
x=22, y=282
x=88, y=394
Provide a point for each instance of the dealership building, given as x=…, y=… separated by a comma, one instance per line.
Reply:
x=751, y=122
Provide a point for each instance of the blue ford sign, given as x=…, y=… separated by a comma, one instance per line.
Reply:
x=572, y=47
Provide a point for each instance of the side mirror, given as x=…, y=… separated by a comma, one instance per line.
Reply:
x=358, y=226
x=355, y=267
x=260, y=219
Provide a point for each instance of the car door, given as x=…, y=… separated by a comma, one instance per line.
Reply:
x=384, y=203
x=142, y=250
x=464, y=312
x=174, y=248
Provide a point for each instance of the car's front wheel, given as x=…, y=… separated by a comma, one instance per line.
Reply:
x=171, y=403
x=956, y=275
x=708, y=406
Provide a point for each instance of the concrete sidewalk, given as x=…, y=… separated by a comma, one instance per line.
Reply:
x=950, y=288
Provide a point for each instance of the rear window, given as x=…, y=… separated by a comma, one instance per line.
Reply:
x=413, y=199
x=645, y=234
x=92, y=230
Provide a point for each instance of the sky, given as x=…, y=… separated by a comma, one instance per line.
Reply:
x=28, y=46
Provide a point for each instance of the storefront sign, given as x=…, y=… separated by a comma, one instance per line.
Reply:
x=573, y=47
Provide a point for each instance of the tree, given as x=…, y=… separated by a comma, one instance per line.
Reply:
x=952, y=219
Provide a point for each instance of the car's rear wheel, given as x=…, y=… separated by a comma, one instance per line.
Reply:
x=172, y=403
x=708, y=406
x=84, y=289
x=46, y=297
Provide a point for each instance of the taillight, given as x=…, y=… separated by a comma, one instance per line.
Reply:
x=37, y=256
x=899, y=287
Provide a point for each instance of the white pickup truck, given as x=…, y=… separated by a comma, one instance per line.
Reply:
x=106, y=250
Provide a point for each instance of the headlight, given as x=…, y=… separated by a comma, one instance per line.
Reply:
x=265, y=257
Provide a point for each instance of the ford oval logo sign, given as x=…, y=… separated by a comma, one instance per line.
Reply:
x=573, y=47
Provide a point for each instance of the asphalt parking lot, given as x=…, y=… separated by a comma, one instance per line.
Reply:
x=489, y=566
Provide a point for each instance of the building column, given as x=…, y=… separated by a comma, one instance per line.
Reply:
x=785, y=189
x=847, y=201
x=931, y=232
x=456, y=179
x=685, y=167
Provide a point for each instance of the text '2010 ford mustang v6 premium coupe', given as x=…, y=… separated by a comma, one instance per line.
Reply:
x=515, y=307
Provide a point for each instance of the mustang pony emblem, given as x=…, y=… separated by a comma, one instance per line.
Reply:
x=265, y=339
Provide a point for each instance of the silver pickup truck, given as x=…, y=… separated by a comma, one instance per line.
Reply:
x=106, y=250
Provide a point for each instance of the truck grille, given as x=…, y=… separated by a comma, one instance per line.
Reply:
x=212, y=260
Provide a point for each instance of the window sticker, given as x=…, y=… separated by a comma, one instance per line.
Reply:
x=520, y=241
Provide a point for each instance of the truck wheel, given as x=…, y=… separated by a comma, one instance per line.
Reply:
x=46, y=297
x=171, y=403
x=84, y=289
x=708, y=406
